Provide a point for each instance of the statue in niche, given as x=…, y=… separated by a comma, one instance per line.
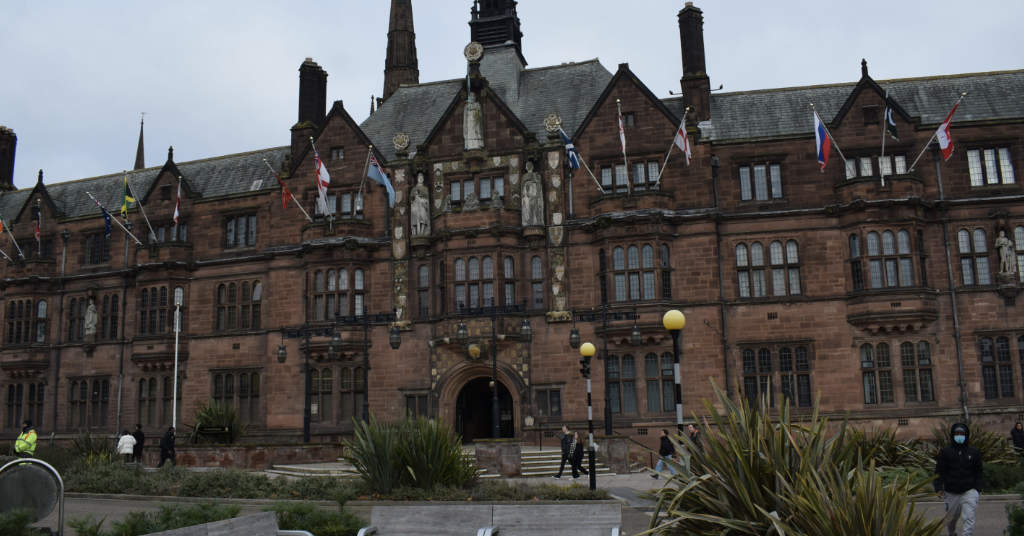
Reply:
x=470, y=201
x=532, y=199
x=472, y=124
x=1007, y=255
x=420, y=208
x=90, y=319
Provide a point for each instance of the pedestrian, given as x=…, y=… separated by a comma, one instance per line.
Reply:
x=958, y=467
x=577, y=456
x=167, y=447
x=666, y=450
x=694, y=434
x=1017, y=436
x=140, y=439
x=25, y=445
x=566, y=440
x=126, y=446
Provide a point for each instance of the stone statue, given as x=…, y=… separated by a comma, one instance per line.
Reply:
x=90, y=319
x=420, y=208
x=472, y=124
x=532, y=199
x=470, y=201
x=1007, y=257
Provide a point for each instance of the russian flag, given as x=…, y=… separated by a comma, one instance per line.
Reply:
x=821, y=141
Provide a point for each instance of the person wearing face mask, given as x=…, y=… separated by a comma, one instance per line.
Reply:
x=958, y=467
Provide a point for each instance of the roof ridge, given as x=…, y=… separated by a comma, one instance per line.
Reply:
x=565, y=64
x=878, y=81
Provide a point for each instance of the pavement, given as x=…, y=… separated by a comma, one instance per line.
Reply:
x=629, y=489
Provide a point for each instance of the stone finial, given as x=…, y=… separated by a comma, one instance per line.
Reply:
x=863, y=68
x=170, y=153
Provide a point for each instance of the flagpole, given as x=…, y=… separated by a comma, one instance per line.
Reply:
x=316, y=177
x=366, y=170
x=586, y=167
x=14, y=240
x=6, y=256
x=885, y=120
x=925, y=148
x=625, y=161
x=115, y=220
x=142, y=208
x=669, y=152
x=289, y=192
x=829, y=134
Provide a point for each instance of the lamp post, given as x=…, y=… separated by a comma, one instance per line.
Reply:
x=587, y=352
x=366, y=320
x=674, y=321
x=603, y=317
x=179, y=297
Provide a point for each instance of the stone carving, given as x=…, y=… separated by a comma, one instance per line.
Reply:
x=472, y=124
x=473, y=51
x=420, y=208
x=532, y=198
x=90, y=319
x=552, y=123
x=1007, y=255
x=470, y=202
x=401, y=141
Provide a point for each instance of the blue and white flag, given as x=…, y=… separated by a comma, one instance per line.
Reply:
x=570, y=151
x=376, y=173
x=106, y=222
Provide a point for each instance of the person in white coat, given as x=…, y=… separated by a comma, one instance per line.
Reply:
x=126, y=446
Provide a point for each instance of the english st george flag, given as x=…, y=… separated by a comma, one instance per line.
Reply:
x=682, y=140
x=943, y=135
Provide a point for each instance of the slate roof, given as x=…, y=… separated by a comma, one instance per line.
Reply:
x=785, y=112
x=569, y=90
x=210, y=177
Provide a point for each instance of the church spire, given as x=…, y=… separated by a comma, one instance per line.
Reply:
x=140, y=153
x=400, y=66
x=495, y=22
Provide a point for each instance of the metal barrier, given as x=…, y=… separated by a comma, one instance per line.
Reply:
x=57, y=478
x=367, y=531
x=616, y=531
x=487, y=531
x=294, y=533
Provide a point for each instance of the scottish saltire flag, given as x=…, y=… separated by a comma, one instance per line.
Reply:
x=375, y=172
x=106, y=223
x=571, y=153
x=323, y=180
x=943, y=135
x=821, y=141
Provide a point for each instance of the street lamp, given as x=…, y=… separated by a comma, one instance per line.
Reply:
x=674, y=321
x=587, y=352
x=179, y=297
x=366, y=319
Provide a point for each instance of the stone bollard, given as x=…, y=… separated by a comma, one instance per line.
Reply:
x=499, y=456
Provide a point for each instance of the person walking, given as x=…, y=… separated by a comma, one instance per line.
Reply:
x=566, y=440
x=167, y=447
x=694, y=433
x=577, y=456
x=126, y=446
x=25, y=445
x=1017, y=436
x=140, y=439
x=958, y=467
x=666, y=450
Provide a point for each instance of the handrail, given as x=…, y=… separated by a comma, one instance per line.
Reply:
x=60, y=486
x=367, y=531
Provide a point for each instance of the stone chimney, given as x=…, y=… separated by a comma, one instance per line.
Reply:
x=8, y=143
x=312, y=104
x=695, y=83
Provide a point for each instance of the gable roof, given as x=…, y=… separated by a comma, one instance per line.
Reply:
x=625, y=72
x=786, y=112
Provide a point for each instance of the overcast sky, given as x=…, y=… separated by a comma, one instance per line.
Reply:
x=221, y=77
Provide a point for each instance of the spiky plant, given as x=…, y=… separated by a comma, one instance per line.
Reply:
x=373, y=452
x=432, y=455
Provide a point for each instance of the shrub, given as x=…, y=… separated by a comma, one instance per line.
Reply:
x=167, y=518
x=304, y=516
x=414, y=452
x=1015, y=520
x=497, y=491
x=218, y=417
x=760, y=475
x=17, y=523
x=1000, y=477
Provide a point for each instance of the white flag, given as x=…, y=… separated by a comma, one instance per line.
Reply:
x=682, y=140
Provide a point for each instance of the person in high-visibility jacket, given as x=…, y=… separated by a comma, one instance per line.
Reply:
x=25, y=445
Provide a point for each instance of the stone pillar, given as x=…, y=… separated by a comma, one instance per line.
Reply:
x=499, y=456
x=613, y=450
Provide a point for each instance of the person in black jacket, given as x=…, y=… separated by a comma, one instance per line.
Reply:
x=577, y=455
x=958, y=467
x=140, y=438
x=1017, y=436
x=566, y=438
x=167, y=447
x=666, y=451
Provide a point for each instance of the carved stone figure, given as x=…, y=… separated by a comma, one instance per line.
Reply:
x=420, y=208
x=90, y=319
x=532, y=199
x=472, y=124
x=1007, y=257
x=470, y=201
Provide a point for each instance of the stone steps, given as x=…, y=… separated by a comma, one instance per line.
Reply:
x=545, y=464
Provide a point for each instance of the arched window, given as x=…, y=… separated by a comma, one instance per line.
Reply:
x=647, y=275
x=666, y=273
x=510, y=280
x=319, y=298
x=460, y=284
x=974, y=268
x=41, y=321
x=359, y=287
x=743, y=269
x=876, y=364
x=622, y=384
x=536, y=283
x=487, y=281
x=232, y=306
x=757, y=277
x=423, y=292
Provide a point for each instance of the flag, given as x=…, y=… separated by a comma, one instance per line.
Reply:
x=821, y=142
x=286, y=194
x=682, y=140
x=177, y=208
x=1, y=225
x=571, y=153
x=106, y=222
x=127, y=198
x=890, y=125
x=375, y=172
x=622, y=133
x=943, y=135
x=323, y=180
x=39, y=224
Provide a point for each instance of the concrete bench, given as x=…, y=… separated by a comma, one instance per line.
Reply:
x=583, y=518
x=262, y=524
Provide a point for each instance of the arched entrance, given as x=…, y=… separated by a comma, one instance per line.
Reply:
x=473, y=410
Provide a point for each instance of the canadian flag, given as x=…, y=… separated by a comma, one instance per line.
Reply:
x=177, y=204
x=944, y=137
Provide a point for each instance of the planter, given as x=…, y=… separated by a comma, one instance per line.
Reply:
x=499, y=456
x=246, y=456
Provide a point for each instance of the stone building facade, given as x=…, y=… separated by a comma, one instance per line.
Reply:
x=889, y=301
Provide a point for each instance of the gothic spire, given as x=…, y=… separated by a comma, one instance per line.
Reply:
x=400, y=66
x=140, y=153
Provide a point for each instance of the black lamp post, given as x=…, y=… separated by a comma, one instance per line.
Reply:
x=674, y=321
x=635, y=338
x=587, y=352
x=394, y=340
